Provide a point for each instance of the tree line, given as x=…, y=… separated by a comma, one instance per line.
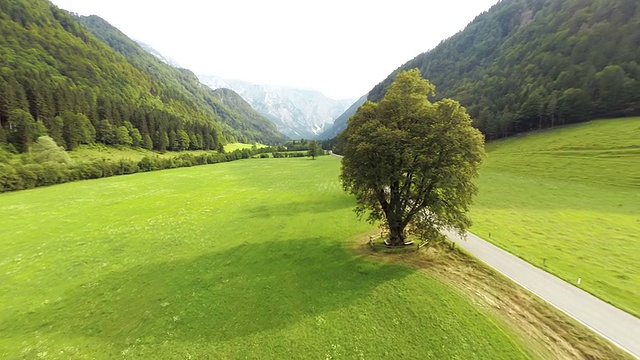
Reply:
x=46, y=163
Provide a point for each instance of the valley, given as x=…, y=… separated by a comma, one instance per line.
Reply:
x=132, y=269
x=175, y=264
x=150, y=211
x=296, y=113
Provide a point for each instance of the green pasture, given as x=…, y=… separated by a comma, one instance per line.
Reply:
x=240, y=146
x=568, y=201
x=237, y=260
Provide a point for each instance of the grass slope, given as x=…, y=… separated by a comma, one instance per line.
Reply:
x=239, y=146
x=236, y=260
x=568, y=201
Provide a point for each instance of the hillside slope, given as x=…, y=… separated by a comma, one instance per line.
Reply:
x=567, y=200
x=528, y=64
x=56, y=78
x=238, y=118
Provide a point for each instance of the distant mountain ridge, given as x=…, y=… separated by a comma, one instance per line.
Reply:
x=340, y=122
x=296, y=113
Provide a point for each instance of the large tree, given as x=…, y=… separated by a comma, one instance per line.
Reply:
x=410, y=162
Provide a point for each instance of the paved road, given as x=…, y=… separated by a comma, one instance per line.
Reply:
x=612, y=323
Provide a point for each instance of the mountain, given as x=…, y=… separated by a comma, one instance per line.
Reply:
x=57, y=78
x=297, y=113
x=340, y=123
x=232, y=100
x=529, y=64
x=244, y=125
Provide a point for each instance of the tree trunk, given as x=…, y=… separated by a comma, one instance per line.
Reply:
x=396, y=234
x=394, y=216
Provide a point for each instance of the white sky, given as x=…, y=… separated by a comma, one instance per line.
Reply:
x=340, y=47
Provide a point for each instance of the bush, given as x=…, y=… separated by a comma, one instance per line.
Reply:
x=29, y=174
x=148, y=164
x=86, y=171
x=9, y=178
x=45, y=149
x=126, y=166
x=53, y=173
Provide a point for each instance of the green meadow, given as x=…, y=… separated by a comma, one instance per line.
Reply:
x=568, y=201
x=247, y=259
x=239, y=146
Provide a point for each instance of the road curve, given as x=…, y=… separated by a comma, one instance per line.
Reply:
x=617, y=326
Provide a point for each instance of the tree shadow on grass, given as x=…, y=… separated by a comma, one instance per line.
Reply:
x=214, y=297
x=326, y=204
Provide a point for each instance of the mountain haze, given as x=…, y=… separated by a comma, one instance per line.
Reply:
x=296, y=113
x=146, y=47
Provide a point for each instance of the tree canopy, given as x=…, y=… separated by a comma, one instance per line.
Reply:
x=410, y=162
x=314, y=149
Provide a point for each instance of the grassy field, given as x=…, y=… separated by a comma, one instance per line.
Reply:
x=568, y=201
x=240, y=146
x=237, y=260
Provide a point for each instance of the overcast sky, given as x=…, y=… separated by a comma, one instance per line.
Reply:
x=340, y=47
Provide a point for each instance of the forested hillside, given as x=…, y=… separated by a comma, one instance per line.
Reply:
x=237, y=116
x=56, y=78
x=528, y=64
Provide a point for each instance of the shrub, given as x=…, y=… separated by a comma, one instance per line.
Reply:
x=46, y=149
x=29, y=174
x=86, y=171
x=148, y=164
x=9, y=178
x=126, y=166
x=55, y=173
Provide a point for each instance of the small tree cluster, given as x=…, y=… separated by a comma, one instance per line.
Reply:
x=314, y=149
